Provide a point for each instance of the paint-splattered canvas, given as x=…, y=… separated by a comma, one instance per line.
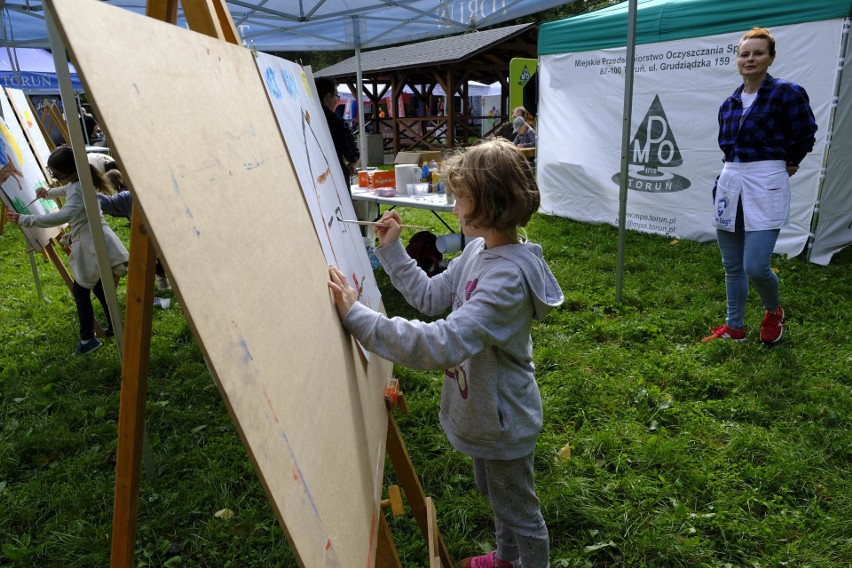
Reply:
x=300, y=116
x=21, y=177
x=22, y=109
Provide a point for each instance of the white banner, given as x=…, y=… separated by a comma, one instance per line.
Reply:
x=673, y=154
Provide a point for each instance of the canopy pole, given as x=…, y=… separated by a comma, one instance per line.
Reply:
x=362, y=115
x=359, y=97
x=835, y=99
x=625, y=143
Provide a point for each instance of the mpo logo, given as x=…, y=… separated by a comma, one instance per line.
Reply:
x=652, y=149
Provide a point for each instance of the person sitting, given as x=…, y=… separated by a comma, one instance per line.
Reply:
x=507, y=130
x=524, y=134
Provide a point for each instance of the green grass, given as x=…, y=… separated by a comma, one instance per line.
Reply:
x=681, y=454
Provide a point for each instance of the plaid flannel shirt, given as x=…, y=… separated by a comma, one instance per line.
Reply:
x=779, y=126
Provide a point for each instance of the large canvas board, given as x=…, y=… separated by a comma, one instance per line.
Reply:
x=192, y=129
x=21, y=176
x=299, y=112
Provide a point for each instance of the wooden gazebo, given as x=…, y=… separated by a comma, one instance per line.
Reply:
x=435, y=122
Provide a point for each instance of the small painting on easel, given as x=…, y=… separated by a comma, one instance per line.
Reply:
x=299, y=112
x=21, y=177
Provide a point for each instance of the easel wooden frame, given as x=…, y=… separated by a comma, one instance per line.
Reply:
x=212, y=18
x=52, y=117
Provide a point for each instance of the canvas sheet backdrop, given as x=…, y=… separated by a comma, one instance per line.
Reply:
x=21, y=176
x=302, y=121
x=225, y=209
x=674, y=155
x=834, y=225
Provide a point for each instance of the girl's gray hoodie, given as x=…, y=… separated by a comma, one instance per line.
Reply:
x=490, y=404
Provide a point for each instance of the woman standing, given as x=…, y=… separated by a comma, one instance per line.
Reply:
x=766, y=127
x=84, y=262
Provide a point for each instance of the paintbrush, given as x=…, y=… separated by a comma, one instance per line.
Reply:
x=379, y=224
x=33, y=201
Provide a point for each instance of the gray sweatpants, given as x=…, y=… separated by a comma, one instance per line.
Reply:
x=510, y=487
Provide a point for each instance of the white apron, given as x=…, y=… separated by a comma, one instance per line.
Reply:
x=764, y=188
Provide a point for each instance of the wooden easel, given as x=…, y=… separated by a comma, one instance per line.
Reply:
x=51, y=117
x=413, y=489
x=49, y=253
x=212, y=18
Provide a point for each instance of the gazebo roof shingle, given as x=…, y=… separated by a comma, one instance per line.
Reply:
x=427, y=53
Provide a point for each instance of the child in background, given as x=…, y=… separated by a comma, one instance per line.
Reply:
x=490, y=403
x=120, y=204
x=84, y=262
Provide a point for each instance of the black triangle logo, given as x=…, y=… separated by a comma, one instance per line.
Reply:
x=654, y=145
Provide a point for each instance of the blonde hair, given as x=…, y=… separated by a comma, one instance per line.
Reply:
x=760, y=33
x=499, y=180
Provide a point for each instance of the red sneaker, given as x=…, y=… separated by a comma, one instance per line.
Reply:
x=489, y=560
x=725, y=332
x=772, y=326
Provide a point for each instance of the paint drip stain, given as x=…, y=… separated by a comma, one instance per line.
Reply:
x=246, y=353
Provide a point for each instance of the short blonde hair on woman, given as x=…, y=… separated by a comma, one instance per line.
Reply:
x=499, y=180
x=760, y=33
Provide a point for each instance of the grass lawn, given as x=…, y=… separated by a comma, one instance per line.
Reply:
x=657, y=450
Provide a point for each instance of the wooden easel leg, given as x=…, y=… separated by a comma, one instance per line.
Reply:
x=60, y=266
x=386, y=555
x=434, y=535
x=2, y=218
x=134, y=391
x=412, y=487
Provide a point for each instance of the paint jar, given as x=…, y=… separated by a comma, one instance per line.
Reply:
x=447, y=244
x=420, y=188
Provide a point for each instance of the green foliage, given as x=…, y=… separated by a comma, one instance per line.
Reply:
x=681, y=453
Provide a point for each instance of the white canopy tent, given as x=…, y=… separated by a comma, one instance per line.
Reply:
x=314, y=25
x=681, y=44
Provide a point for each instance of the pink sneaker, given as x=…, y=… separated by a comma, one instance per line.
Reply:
x=772, y=326
x=725, y=332
x=489, y=560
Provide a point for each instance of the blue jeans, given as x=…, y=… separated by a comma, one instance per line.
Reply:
x=746, y=256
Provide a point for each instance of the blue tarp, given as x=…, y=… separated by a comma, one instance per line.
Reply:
x=32, y=71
